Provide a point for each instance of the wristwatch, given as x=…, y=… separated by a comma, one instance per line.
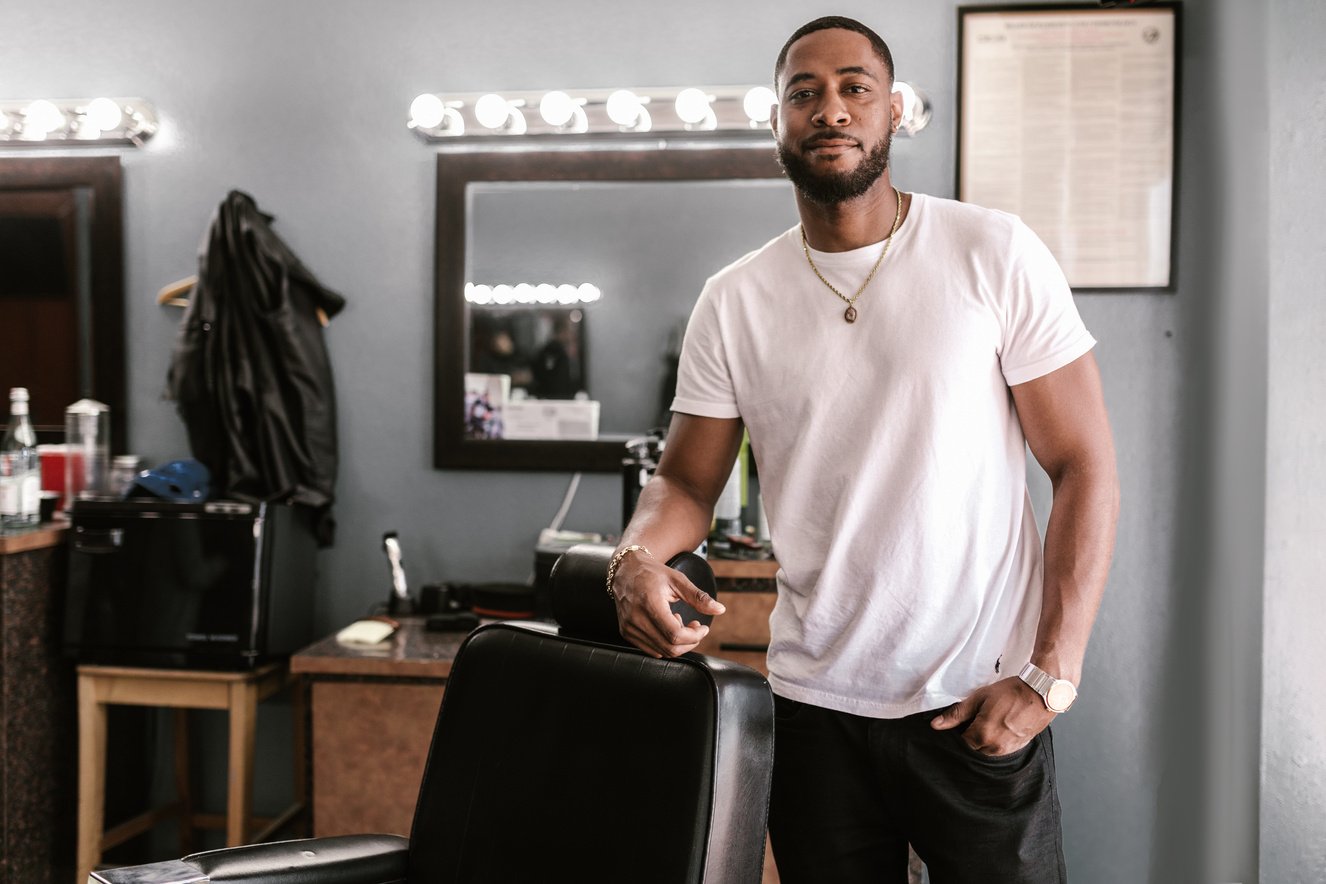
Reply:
x=1058, y=693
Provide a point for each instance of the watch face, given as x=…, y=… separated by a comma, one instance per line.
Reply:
x=1060, y=696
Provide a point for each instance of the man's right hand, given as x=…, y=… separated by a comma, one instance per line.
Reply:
x=645, y=589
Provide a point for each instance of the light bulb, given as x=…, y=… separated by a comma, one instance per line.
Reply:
x=589, y=293
x=515, y=124
x=427, y=111
x=556, y=108
x=624, y=107
x=758, y=104
x=104, y=114
x=567, y=294
x=452, y=121
x=545, y=293
x=524, y=293
x=492, y=111
x=41, y=118
x=692, y=106
x=502, y=294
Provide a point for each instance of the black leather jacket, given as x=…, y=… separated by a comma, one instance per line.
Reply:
x=250, y=372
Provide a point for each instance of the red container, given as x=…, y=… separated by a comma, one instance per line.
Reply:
x=53, y=459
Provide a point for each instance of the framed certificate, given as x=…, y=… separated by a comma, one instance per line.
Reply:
x=1066, y=118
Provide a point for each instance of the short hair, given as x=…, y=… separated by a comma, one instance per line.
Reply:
x=839, y=22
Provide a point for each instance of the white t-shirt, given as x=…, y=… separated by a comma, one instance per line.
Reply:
x=892, y=463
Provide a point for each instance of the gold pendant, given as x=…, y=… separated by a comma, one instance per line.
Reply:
x=850, y=314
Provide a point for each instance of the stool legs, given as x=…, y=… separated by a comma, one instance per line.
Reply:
x=91, y=775
x=236, y=693
x=183, y=786
x=243, y=726
x=299, y=735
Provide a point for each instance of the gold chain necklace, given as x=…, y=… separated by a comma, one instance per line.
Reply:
x=850, y=313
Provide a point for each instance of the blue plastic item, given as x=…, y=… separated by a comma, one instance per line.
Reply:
x=183, y=481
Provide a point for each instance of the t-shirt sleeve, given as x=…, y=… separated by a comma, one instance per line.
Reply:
x=1042, y=328
x=704, y=381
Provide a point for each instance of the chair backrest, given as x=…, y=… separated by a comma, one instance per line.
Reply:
x=559, y=758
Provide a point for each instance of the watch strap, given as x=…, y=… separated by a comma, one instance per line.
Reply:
x=1041, y=682
x=1036, y=678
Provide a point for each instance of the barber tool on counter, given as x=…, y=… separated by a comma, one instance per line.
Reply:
x=378, y=628
x=455, y=620
x=399, y=602
x=641, y=460
x=457, y=607
x=454, y=607
x=445, y=609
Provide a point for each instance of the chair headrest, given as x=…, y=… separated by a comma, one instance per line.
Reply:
x=579, y=595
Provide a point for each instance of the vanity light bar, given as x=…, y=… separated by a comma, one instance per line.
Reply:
x=690, y=111
x=527, y=293
x=67, y=122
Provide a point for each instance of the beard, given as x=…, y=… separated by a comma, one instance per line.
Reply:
x=833, y=188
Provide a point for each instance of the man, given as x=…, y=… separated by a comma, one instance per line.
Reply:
x=892, y=357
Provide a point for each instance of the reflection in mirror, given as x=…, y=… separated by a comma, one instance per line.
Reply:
x=641, y=231
x=646, y=247
x=527, y=375
x=539, y=349
x=61, y=295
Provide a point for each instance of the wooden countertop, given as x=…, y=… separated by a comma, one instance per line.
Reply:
x=744, y=569
x=44, y=536
x=411, y=652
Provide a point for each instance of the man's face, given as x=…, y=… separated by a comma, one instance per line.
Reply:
x=834, y=124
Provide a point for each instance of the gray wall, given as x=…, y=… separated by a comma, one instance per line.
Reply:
x=303, y=105
x=1293, y=797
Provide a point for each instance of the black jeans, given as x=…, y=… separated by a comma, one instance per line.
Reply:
x=850, y=793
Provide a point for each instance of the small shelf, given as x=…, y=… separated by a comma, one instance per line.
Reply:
x=47, y=535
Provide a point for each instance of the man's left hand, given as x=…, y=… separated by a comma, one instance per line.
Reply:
x=1003, y=717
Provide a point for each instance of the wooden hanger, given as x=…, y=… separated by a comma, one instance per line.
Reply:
x=175, y=293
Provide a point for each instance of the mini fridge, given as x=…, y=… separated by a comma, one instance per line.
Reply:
x=216, y=585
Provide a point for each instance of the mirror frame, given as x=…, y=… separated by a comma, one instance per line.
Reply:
x=102, y=176
x=456, y=170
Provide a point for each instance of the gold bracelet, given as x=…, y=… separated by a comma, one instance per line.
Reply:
x=617, y=561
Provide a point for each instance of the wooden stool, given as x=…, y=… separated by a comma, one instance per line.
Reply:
x=181, y=690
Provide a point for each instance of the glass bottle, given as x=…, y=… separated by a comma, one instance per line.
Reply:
x=732, y=500
x=20, y=468
x=87, y=458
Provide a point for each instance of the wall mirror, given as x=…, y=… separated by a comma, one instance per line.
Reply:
x=61, y=287
x=564, y=282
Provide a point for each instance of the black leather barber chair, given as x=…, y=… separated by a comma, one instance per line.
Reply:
x=560, y=754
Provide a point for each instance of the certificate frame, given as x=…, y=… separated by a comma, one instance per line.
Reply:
x=1068, y=118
